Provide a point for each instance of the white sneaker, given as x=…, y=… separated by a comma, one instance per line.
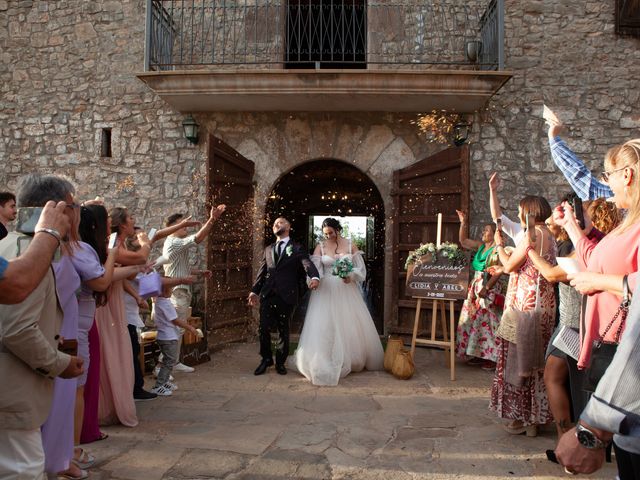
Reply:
x=162, y=390
x=181, y=367
x=171, y=386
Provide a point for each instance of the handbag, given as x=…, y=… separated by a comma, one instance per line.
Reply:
x=508, y=328
x=508, y=325
x=602, y=352
x=149, y=285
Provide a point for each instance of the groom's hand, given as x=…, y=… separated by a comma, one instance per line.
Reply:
x=252, y=299
x=313, y=284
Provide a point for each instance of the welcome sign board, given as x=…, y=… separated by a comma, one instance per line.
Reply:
x=437, y=280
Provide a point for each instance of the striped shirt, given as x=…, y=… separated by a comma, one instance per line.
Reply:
x=615, y=405
x=576, y=172
x=176, y=250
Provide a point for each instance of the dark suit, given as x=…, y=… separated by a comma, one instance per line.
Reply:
x=280, y=284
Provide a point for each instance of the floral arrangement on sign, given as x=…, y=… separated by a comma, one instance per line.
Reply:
x=448, y=250
x=342, y=267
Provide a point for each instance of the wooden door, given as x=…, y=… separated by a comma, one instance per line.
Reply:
x=437, y=184
x=230, y=248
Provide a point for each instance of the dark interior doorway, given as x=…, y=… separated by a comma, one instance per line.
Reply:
x=332, y=188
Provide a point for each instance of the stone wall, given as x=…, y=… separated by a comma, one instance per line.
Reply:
x=68, y=71
x=68, y=68
x=565, y=54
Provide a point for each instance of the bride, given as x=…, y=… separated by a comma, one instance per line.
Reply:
x=338, y=336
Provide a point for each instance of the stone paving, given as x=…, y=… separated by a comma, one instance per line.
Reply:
x=225, y=423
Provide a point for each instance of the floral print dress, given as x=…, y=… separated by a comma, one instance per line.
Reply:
x=480, y=317
x=528, y=401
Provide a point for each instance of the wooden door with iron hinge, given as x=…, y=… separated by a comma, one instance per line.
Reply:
x=436, y=184
x=230, y=247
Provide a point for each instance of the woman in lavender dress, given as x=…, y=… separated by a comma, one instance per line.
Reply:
x=57, y=431
x=79, y=274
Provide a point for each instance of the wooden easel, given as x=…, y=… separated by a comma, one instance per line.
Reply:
x=449, y=339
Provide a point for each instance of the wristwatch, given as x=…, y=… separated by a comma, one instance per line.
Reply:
x=588, y=439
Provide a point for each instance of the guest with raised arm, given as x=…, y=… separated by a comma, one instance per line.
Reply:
x=482, y=309
x=573, y=168
x=518, y=393
x=615, y=258
x=29, y=338
x=116, y=368
x=176, y=250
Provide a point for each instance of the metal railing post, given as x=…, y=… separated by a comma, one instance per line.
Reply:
x=500, y=34
x=147, y=34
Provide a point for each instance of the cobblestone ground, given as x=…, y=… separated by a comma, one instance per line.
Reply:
x=225, y=423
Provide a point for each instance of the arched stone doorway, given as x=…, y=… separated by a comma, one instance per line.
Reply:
x=332, y=188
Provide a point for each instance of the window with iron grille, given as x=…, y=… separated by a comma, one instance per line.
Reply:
x=628, y=17
x=326, y=34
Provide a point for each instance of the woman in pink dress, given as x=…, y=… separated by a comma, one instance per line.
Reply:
x=97, y=271
x=522, y=399
x=602, y=280
x=116, y=404
x=606, y=263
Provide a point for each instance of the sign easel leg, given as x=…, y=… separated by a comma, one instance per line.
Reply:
x=415, y=327
x=452, y=339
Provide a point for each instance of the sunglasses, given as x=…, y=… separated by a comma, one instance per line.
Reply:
x=604, y=176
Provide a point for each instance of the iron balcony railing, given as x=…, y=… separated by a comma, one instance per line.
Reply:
x=190, y=34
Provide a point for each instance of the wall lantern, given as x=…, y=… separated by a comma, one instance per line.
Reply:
x=190, y=127
x=461, y=133
x=473, y=50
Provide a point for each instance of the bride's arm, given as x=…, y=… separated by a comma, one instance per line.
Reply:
x=316, y=258
x=359, y=273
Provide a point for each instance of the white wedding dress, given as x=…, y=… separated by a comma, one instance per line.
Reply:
x=338, y=336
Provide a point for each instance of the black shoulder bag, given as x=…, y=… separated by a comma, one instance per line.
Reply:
x=602, y=352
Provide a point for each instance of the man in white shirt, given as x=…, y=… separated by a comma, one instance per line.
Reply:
x=176, y=251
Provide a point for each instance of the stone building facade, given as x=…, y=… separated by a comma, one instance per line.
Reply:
x=68, y=71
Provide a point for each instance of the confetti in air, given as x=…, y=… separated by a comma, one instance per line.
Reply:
x=437, y=126
x=127, y=185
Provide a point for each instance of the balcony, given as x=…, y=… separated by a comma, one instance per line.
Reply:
x=321, y=55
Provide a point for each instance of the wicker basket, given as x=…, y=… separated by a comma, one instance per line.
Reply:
x=403, y=366
x=394, y=345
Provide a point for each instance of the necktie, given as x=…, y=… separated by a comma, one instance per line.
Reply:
x=279, y=249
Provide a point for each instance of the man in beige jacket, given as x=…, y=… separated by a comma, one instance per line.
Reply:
x=29, y=358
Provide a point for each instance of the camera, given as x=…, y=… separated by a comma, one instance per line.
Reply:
x=28, y=219
x=576, y=203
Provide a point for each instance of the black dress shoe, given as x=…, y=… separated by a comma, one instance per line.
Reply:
x=143, y=395
x=281, y=369
x=264, y=364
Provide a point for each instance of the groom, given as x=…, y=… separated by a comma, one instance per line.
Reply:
x=279, y=285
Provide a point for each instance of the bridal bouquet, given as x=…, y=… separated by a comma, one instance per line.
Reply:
x=342, y=268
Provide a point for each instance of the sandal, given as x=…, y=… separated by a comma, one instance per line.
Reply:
x=103, y=436
x=67, y=476
x=85, y=460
